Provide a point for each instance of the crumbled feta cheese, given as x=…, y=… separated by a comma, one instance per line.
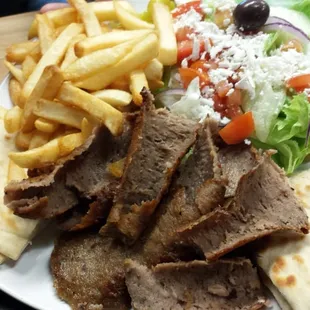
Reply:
x=226, y=22
x=230, y=92
x=247, y=142
x=184, y=63
x=189, y=19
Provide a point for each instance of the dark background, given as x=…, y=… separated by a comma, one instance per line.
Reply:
x=9, y=303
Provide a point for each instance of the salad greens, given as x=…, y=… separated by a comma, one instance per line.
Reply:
x=272, y=43
x=302, y=6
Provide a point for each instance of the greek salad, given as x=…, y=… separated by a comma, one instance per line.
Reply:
x=247, y=65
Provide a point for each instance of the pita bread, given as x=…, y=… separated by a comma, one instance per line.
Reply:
x=286, y=259
x=15, y=232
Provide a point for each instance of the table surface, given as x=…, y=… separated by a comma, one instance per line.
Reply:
x=13, y=29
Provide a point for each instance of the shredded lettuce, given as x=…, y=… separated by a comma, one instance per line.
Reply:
x=302, y=6
x=272, y=43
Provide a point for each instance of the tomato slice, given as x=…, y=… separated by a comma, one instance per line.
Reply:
x=185, y=49
x=238, y=129
x=183, y=33
x=299, y=83
x=184, y=8
x=188, y=74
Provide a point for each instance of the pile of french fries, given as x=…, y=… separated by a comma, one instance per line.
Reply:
x=82, y=66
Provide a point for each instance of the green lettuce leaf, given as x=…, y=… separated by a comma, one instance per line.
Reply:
x=302, y=6
x=272, y=43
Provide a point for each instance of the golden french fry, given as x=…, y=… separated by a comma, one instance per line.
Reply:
x=59, y=30
x=15, y=173
x=121, y=83
x=70, y=56
x=2, y=112
x=22, y=140
x=86, y=128
x=86, y=13
x=46, y=32
x=106, y=40
x=28, y=66
x=92, y=63
x=15, y=90
x=128, y=19
x=46, y=87
x=16, y=72
x=18, y=52
x=12, y=119
x=115, y=97
x=137, y=83
x=48, y=153
x=60, y=113
x=155, y=84
x=109, y=116
x=45, y=125
x=167, y=41
x=51, y=57
x=154, y=70
x=36, y=53
x=38, y=139
x=117, y=168
x=142, y=53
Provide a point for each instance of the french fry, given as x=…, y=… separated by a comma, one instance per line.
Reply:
x=128, y=19
x=59, y=30
x=142, y=53
x=62, y=114
x=51, y=57
x=2, y=112
x=117, y=168
x=137, y=83
x=109, y=116
x=28, y=66
x=46, y=32
x=45, y=125
x=92, y=63
x=15, y=173
x=47, y=153
x=46, y=87
x=154, y=70
x=15, y=90
x=167, y=41
x=39, y=138
x=12, y=119
x=155, y=84
x=121, y=83
x=115, y=97
x=86, y=128
x=106, y=40
x=16, y=72
x=22, y=140
x=36, y=53
x=70, y=56
x=18, y=52
x=86, y=13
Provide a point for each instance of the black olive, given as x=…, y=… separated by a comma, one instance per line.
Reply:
x=250, y=15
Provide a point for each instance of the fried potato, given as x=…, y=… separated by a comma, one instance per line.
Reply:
x=86, y=128
x=2, y=112
x=15, y=90
x=62, y=114
x=115, y=97
x=70, y=56
x=38, y=139
x=92, y=63
x=12, y=119
x=46, y=32
x=16, y=72
x=51, y=57
x=22, y=140
x=18, y=52
x=154, y=70
x=28, y=66
x=142, y=53
x=47, y=153
x=121, y=83
x=155, y=84
x=117, y=168
x=137, y=83
x=45, y=125
x=86, y=13
x=106, y=40
x=47, y=88
x=167, y=41
x=36, y=53
x=15, y=173
x=128, y=19
x=109, y=116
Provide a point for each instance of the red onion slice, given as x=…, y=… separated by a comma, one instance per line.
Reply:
x=274, y=20
x=170, y=96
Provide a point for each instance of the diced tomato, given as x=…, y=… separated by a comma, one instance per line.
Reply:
x=184, y=8
x=238, y=129
x=185, y=49
x=183, y=33
x=188, y=74
x=222, y=88
x=299, y=83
